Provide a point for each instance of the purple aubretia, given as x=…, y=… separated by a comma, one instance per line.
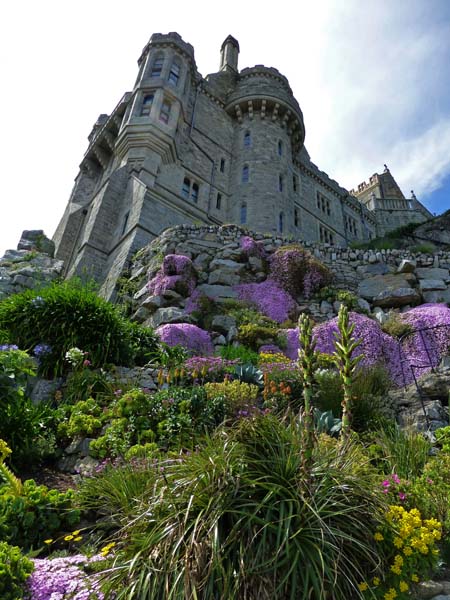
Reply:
x=59, y=578
x=177, y=273
x=196, y=340
x=269, y=298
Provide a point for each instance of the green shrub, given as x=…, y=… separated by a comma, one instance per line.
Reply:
x=395, y=326
x=27, y=428
x=403, y=452
x=443, y=438
x=67, y=315
x=84, y=418
x=241, y=353
x=15, y=568
x=423, y=249
x=148, y=450
x=254, y=336
x=38, y=513
x=172, y=418
x=249, y=529
x=236, y=395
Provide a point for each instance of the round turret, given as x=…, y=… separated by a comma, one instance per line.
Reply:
x=268, y=132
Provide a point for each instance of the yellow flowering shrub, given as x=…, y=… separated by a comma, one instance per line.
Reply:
x=237, y=394
x=408, y=544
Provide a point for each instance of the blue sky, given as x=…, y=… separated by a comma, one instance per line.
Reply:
x=372, y=79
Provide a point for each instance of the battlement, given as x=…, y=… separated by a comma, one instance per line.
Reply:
x=372, y=181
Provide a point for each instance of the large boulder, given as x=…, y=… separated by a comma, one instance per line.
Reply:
x=395, y=298
x=372, y=287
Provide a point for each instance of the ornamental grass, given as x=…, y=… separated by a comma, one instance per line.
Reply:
x=235, y=520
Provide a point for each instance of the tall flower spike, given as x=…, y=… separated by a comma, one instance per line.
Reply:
x=345, y=346
x=307, y=358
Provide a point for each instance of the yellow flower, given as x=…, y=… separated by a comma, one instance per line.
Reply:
x=398, y=542
x=78, y=538
x=378, y=537
x=396, y=569
x=390, y=595
x=77, y=532
x=414, y=578
x=376, y=581
x=407, y=551
x=49, y=541
x=363, y=586
x=404, y=587
x=67, y=538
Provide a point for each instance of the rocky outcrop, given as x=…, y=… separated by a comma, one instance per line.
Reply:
x=30, y=266
x=424, y=406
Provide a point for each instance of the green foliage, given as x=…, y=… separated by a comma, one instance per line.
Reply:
x=15, y=568
x=85, y=383
x=395, y=326
x=347, y=298
x=172, y=418
x=27, y=428
x=205, y=311
x=235, y=395
x=403, y=452
x=148, y=450
x=423, y=249
x=255, y=335
x=242, y=353
x=170, y=356
x=247, y=529
x=249, y=374
x=66, y=315
x=85, y=418
x=37, y=514
x=443, y=438
x=325, y=422
x=346, y=363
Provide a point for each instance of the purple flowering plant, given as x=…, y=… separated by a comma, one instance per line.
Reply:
x=269, y=298
x=65, y=578
x=197, y=341
x=177, y=273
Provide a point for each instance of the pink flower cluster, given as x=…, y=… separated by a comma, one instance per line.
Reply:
x=195, y=340
x=177, y=273
x=417, y=353
x=423, y=350
x=250, y=247
x=59, y=578
x=269, y=298
x=297, y=271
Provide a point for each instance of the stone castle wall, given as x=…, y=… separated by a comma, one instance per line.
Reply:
x=381, y=280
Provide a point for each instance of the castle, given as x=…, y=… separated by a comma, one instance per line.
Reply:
x=227, y=148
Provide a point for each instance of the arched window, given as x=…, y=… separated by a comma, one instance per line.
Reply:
x=247, y=139
x=296, y=217
x=157, y=66
x=219, y=201
x=245, y=174
x=146, y=105
x=280, y=222
x=295, y=182
x=222, y=165
x=194, y=192
x=165, y=112
x=243, y=213
x=280, y=183
x=280, y=148
x=174, y=74
x=185, y=190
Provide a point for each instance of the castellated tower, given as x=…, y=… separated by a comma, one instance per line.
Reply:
x=180, y=148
